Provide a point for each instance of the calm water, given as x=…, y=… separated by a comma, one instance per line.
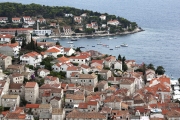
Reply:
x=158, y=44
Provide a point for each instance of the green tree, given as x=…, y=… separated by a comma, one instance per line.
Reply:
x=119, y=57
x=124, y=66
x=160, y=70
x=16, y=34
x=89, y=30
x=46, y=35
x=78, y=49
x=57, y=43
x=151, y=66
x=23, y=43
x=13, y=40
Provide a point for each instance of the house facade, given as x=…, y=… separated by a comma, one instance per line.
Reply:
x=32, y=58
x=31, y=92
x=16, y=78
x=5, y=61
x=84, y=79
x=43, y=72
x=5, y=38
x=10, y=100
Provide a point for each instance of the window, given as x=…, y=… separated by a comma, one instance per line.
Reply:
x=89, y=80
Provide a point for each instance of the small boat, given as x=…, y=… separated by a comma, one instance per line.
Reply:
x=110, y=38
x=99, y=43
x=73, y=39
x=81, y=47
x=124, y=45
x=55, y=39
x=115, y=37
x=110, y=49
x=70, y=42
x=93, y=46
x=117, y=46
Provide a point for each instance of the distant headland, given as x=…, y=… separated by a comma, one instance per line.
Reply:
x=56, y=21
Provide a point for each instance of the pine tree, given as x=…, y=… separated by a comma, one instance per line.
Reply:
x=16, y=33
x=119, y=57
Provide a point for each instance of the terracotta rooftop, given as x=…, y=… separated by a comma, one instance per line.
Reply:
x=44, y=106
x=10, y=96
x=97, y=61
x=53, y=50
x=82, y=106
x=15, y=85
x=57, y=111
x=73, y=68
x=5, y=36
x=30, y=84
x=85, y=115
x=2, y=56
x=75, y=97
x=32, y=105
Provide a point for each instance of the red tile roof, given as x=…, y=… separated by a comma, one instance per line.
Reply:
x=82, y=106
x=97, y=61
x=53, y=50
x=32, y=105
x=30, y=84
x=73, y=68
x=6, y=36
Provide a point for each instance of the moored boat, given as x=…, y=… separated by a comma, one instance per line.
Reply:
x=70, y=42
x=124, y=45
x=117, y=46
x=73, y=39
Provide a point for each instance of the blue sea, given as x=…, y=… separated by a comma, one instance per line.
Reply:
x=158, y=44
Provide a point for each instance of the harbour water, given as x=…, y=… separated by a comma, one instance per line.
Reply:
x=158, y=44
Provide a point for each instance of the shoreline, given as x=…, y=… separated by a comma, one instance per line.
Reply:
x=138, y=29
x=98, y=35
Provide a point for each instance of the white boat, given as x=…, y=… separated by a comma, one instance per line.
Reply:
x=55, y=39
x=124, y=45
x=99, y=43
x=73, y=39
x=118, y=46
x=110, y=38
x=70, y=42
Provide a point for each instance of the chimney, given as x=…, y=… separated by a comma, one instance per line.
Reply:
x=37, y=24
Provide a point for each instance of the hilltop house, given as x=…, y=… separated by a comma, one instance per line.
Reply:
x=3, y=19
x=11, y=49
x=69, y=51
x=5, y=38
x=67, y=30
x=84, y=79
x=31, y=92
x=51, y=80
x=32, y=58
x=113, y=22
x=54, y=51
x=108, y=61
x=16, y=20
x=16, y=78
x=17, y=89
x=61, y=66
x=10, y=100
x=102, y=17
x=78, y=19
x=73, y=69
x=5, y=61
x=43, y=72
x=16, y=68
